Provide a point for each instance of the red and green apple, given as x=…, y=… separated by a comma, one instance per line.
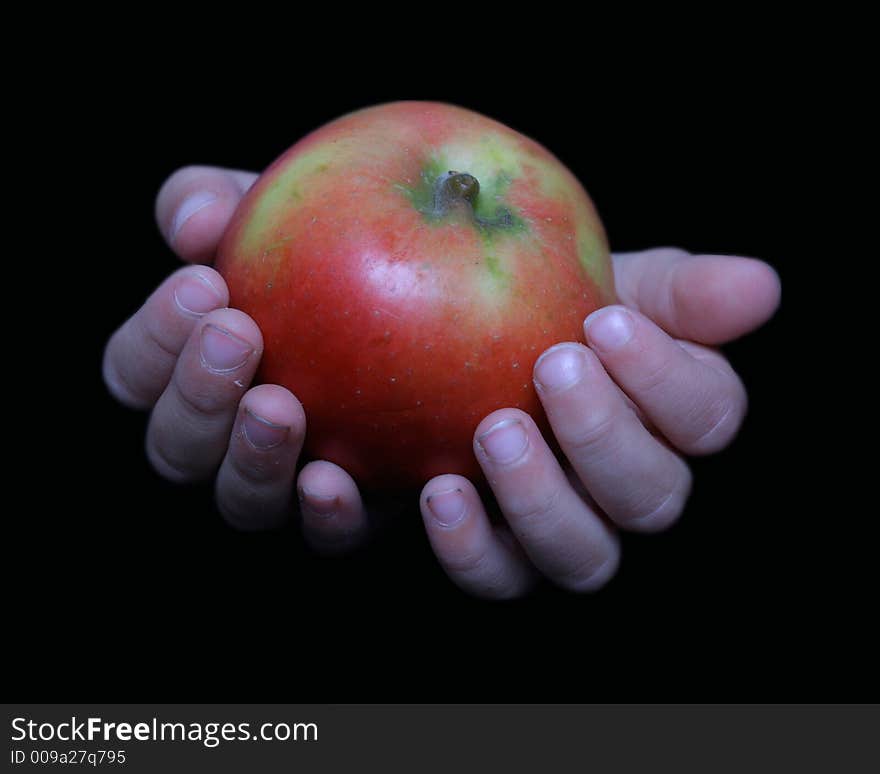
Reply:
x=407, y=264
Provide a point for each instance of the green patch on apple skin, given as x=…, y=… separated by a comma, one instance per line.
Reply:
x=592, y=253
x=288, y=185
x=491, y=278
x=498, y=278
x=421, y=193
x=494, y=220
x=492, y=215
x=494, y=267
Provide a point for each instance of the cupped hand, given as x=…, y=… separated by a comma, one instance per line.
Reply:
x=647, y=389
x=189, y=359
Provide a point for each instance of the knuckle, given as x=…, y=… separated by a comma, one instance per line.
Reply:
x=719, y=423
x=597, y=431
x=234, y=515
x=492, y=589
x=590, y=575
x=470, y=561
x=158, y=337
x=658, y=261
x=208, y=400
x=262, y=469
x=662, y=508
x=175, y=471
x=533, y=507
x=231, y=507
x=654, y=375
x=118, y=385
x=247, y=509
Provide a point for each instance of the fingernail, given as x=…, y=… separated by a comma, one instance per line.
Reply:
x=504, y=442
x=559, y=367
x=189, y=207
x=447, y=507
x=609, y=329
x=319, y=504
x=262, y=433
x=196, y=295
x=223, y=351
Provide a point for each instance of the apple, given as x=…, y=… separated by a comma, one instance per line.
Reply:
x=407, y=264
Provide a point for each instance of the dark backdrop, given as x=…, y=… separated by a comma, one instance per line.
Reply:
x=127, y=586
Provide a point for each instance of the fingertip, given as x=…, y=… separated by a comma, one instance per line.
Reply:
x=194, y=207
x=326, y=479
x=333, y=517
x=480, y=560
x=720, y=298
x=710, y=299
x=276, y=405
x=599, y=578
x=198, y=290
x=444, y=501
x=498, y=417
x=255, y=481
x=443, y=482
x=237, y=323
x=195, y=236
x=762, y=284
x=505, y=439
x=611, y=328
x=560, y=367
x=271, y=416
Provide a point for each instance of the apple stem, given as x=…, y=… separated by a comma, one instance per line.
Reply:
x=454, y=189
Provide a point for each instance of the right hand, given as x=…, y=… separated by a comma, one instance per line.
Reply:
x=190, y=359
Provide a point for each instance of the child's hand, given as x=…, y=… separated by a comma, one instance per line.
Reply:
x=620, y=408
x=190, y=360
x=646, y=389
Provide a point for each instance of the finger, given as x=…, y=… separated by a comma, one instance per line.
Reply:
x=334, y=519
x=634, y=478
x=473, y=554
x=562, y=536
x=697, y=403
x=255, y=481
x=141, y=354
x=190, y=425
x=194, y=206
x=706, y=298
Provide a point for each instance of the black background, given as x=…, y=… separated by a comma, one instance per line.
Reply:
x=125, y=585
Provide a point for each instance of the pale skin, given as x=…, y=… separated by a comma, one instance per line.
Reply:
x=647, y=390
